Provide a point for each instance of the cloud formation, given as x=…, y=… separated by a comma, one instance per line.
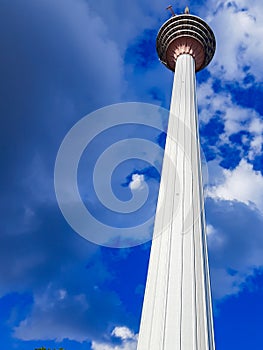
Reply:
x=237, y=53
x=235, y=244
x=128, y=340
x=242, y=184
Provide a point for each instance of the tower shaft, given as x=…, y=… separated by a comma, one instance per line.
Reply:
x=177, y=313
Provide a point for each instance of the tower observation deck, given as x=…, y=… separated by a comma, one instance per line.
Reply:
x=185, y=34
x=177, y=308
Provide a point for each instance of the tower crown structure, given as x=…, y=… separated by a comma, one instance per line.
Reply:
x=185, y=34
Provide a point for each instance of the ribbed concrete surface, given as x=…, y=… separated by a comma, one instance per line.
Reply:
x=177, y=312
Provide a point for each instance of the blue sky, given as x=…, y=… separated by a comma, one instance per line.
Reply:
x=61, y=60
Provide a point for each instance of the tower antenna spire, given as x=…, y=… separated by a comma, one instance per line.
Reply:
x=170, y=8
x=186, y=10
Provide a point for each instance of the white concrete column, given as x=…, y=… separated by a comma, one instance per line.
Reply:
x=177, y=313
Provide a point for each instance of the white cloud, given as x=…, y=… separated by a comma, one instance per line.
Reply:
x=235, y=242
x=242, y=184
x=235, y=226
x=240, y=46
x=226, y=284
x=256, y=127
x=234, y=117
x=127, y=337
x=43, y=322
x=68, y=309
x=210, y=230
x=123, y=333
x=62, y=294
x=255, y=146
x=137, y=182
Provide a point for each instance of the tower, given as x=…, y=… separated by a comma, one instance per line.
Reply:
x=177, y=311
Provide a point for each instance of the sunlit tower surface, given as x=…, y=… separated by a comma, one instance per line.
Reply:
x=177, y=310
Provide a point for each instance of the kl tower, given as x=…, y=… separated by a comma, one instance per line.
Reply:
x=177, y=308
